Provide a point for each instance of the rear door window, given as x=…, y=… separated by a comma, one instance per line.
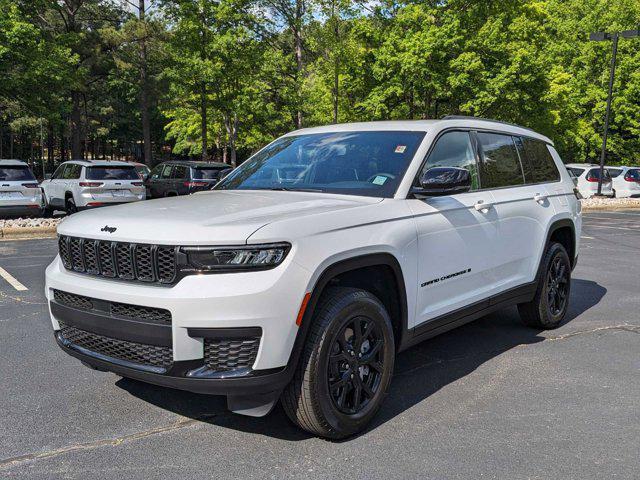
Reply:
x=542, y=168
x=72, y=171
x=454, y=149
x=500, y=166
x=576, y=171
x=16, y=173
x=111, y=173
x=179, y=172
x=166, y=171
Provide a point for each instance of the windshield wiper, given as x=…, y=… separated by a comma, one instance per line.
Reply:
x=289, y=189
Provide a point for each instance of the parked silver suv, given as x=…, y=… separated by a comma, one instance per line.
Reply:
x=19, y=191
x=81, y=184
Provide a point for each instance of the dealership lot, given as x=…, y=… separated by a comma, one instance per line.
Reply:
x=492, y=399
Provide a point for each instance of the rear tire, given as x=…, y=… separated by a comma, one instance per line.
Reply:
x=551, y=301
x=70, y=206
x=345, y=366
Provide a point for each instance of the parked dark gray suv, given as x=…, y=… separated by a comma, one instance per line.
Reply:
x=170, y=179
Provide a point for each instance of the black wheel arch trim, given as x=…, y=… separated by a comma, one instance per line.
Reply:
x=557, y=225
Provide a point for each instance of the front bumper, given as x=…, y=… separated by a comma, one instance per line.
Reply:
x=201, y=306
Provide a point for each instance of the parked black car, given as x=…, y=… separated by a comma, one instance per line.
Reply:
x=170, y=179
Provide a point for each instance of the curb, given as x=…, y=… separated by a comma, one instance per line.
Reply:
x=601, y=208
x=20, y=233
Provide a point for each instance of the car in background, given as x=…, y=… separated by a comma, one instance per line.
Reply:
x=20, y=194
x=588, y=175
x=171, y=179
x=626, y=181
x=82, y=184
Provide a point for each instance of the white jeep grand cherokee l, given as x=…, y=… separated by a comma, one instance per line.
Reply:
x=309, y=267
x=84, y=184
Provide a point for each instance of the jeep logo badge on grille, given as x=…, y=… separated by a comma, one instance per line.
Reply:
x=109, y=229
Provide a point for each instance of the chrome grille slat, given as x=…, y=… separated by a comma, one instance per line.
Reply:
x=122, y=260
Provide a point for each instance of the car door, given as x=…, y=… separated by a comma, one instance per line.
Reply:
x=523, y=207
x=456, y=236
x=163, y=185
x=178, y=179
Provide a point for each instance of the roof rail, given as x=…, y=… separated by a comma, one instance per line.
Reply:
x=469, y=117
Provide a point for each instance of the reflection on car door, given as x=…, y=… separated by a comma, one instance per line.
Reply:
x=456, y=236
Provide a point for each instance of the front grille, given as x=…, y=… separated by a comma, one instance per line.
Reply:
x=137, y=312
x=73, y=300
x=147, y=355
x=126, y=261
x=224, y=355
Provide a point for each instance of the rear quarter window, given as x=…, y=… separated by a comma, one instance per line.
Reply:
x=542, y=167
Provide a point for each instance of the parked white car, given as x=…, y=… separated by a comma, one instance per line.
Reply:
x=83, y=184
x=303, y=287
x=626, y=181
x=588, y=175
x=20, y=194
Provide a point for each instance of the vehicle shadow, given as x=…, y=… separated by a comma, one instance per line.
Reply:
x=419, y=372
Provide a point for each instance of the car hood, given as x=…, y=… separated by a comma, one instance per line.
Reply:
x=214, y=217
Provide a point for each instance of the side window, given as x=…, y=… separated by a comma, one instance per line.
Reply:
x=454, y=149
x=179, y=172
x=614, y=172
x=166, y=171
x=500, y=166
x=72, y=171
x=155, y=173
x=59, y=173
x=77, y=171
x=576, y=171
x=542, y=164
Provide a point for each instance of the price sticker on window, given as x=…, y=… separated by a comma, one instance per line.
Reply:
x=400, y=149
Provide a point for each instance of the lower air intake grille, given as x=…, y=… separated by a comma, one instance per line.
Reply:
x=147, y=355
x=72, y=300
x=224, y=355
x=137, y=312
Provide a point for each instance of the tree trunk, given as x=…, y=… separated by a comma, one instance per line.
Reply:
x=144, y=91
x=76, y=126
x=231, y=127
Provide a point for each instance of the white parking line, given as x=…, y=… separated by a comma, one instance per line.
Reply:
x=12, y=281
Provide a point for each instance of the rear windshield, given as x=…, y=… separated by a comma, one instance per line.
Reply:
x=595, y=173
x=112, y=173
x=633, y=174
x=16, y=174
x=208, y=173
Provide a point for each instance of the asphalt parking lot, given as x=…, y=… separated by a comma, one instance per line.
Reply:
x=492, y=399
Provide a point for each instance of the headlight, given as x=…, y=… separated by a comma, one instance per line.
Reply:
x=250, y=257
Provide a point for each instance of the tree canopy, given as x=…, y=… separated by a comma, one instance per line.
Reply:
x=149, y=79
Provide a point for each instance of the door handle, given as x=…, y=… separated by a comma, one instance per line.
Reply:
x=540, y=198
x=481, y=205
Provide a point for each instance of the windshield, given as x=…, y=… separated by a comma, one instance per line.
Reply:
x=352, y=163
x=208, y=173
x=16, y=174
x=112, y=173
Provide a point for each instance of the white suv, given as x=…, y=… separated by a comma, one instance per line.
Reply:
x=587, y=175
x=304, y=287
x=626, y=181
x=19, y=191
x=82, y=184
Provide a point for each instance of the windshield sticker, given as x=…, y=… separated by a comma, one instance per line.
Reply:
x=379, y=180
x=400, y=148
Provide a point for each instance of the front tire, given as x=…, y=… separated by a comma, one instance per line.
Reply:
x=345, y=366
x=551, y=301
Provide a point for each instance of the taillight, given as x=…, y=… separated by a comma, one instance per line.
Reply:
x=91, y=184
x=30, y=185
x=195, y=184
x=137, y=184
x=591, y=178
x=629, y=178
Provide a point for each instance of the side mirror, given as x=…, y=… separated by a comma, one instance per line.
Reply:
x=439, y=181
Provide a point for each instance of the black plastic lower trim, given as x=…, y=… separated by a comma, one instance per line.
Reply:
x=114, y=327
x=20, y=210
x=234, y=332
x=255, y=382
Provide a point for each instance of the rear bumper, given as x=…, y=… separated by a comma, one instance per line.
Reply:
x=20, y=210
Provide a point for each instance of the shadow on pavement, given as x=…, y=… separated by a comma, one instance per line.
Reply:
x=419, y=371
